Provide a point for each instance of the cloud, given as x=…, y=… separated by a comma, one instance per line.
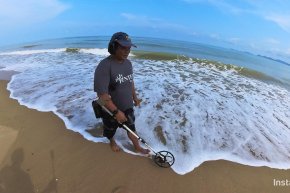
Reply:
x=281, y=20
x=273, y=47
x=272, y=41
x=129, y=16
x=238, y=7
x=19, y=12
x=215, y=36
x=156, y=23
x=140, y=20
x=234, y=40
x=274, y=11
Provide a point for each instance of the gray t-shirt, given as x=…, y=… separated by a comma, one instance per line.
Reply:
x=116, y=80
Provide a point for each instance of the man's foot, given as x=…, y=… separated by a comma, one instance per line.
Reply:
x=142, y=150
x=136, y=144
x=114, y=146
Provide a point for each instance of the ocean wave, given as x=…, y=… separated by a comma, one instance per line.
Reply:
x=28, y=52
x=95, y=51
x=154, y=55
x=209, y=63
x=138, y=54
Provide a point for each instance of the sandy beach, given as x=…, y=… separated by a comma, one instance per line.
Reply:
x=36, y=149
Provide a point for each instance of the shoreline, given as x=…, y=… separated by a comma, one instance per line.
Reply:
x=45, y=150
x=7, y=75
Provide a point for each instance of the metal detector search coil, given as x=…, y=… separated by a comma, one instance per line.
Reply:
x=163, y=159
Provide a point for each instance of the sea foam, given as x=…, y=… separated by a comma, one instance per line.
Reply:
x=196, y=111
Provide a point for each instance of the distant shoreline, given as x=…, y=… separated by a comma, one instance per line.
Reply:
x=276, y=60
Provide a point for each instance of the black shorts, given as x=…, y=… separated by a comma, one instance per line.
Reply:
x=111, y=125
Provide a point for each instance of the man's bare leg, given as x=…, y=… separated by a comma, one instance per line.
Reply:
x=136, y=144
x=114, y=145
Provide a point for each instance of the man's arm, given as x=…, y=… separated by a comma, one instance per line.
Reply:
x=106, y=98
x=120, y=116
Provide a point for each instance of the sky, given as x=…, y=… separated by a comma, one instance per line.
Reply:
x=259, y=26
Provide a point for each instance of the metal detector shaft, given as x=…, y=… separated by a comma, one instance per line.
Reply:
x=101, y=103
x=163, y=159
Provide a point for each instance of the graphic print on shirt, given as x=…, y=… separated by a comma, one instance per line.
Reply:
x=122, y=79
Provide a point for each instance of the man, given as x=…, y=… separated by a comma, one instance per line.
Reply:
x=114, y=85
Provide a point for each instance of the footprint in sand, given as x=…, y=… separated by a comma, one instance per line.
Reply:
x=121, y=189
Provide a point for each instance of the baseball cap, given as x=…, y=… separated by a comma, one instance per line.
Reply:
x=123, y=39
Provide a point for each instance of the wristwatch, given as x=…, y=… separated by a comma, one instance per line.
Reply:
x=115, y=112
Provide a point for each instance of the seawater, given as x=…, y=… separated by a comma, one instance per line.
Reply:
x=199, y=108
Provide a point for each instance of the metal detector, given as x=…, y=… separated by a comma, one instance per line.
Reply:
x=163, y=159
